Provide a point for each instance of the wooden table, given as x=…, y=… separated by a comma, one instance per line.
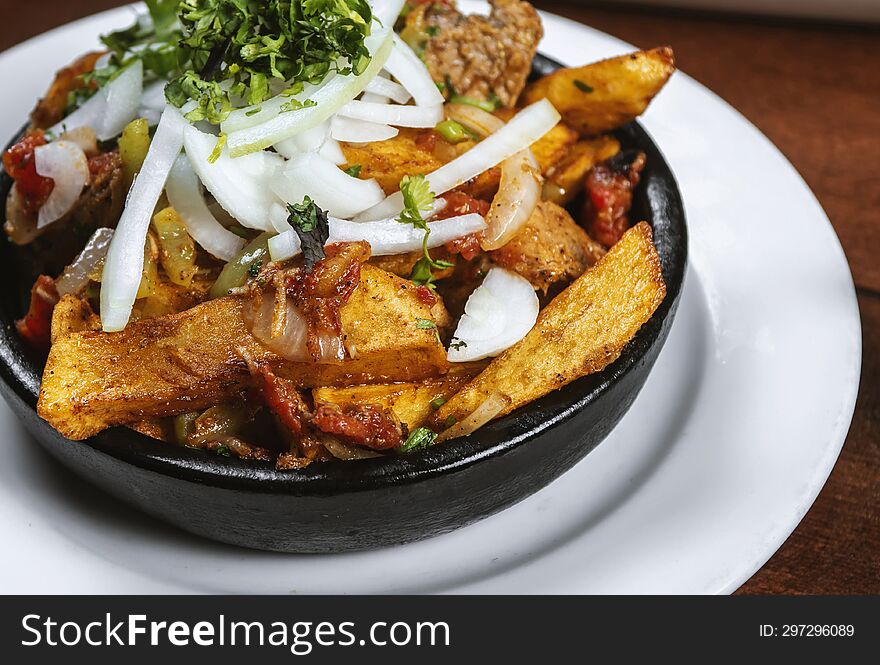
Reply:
x=813, y=90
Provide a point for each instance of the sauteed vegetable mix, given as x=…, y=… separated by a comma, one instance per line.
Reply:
x=304, y=230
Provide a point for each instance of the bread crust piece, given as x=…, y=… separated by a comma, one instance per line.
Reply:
x=189, y=361
x=582, y=331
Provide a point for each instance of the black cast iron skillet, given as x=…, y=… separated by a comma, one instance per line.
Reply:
x=343, y=506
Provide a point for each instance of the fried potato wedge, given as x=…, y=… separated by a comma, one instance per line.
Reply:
x=551, y=248
x=73, y=314
x=605, y=95
x=189, y=361
x=412, y=403
x=388, y=161
x=582, y=331
x=565, y=179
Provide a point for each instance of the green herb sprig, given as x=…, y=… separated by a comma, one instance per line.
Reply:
x=225, y=54
x=313, y=229
x=419, y=438
x=417, y=199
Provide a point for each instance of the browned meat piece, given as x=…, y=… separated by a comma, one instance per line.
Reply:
x=610, y=188
x=550, y=248
x=479, y=56
x=101, y=204
x=362, y=425
x=283, y=398
x=51, y=108
x=102, y=201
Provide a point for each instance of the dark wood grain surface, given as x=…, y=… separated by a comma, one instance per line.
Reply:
x=813, y=89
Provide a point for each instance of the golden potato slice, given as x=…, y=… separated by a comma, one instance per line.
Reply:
x=73, y=314
x=412, y=403
x=189, y=361
x=388, y=161
x=605, y=95
x=582, y=331
x=550, y=248
x=566, y=179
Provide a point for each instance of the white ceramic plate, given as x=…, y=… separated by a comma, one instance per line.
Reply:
x=721, y=455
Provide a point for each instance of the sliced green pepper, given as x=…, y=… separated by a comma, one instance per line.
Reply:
x=245, y=265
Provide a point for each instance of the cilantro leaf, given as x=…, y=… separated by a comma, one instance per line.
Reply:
x=418, y=198
x=419, y=438
x=226, y=53
x=354, y=170
x=310, y=224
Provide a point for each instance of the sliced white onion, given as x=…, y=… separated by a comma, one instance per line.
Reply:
x=259, y=127
x=374, y=99
x=340, y=194
x=76, y=276
x=386, y=237
x=66, y=164
x=85, y=138
x=360, y=131
x=123, y=100
x=382, y=87
x=498, y=314
x=110, y=109
x=284, y=246
x=311, y=140
x=291, y=344
x=520, y=189
x=239, y=185
x=519, y=133
x=404, y=65
x=394, y=114
x=488, y=410
x=332, y=152
x=125, y=258
x=518, y=196
x=185, y=196
x=153, y=102
x=389, y=236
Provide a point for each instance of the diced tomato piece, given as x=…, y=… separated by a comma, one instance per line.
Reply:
x=21, y=166
x=36, y=326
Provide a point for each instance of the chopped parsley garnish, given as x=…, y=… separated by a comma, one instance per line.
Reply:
x=419, y=438
x=417, y=199
x=313, y=229
x=460, y=344
x=583, y=87
x=425, y=324
x=438, y=402
x=354, y=170
x=223, y=450
x=153, y=42
x=255, y=268
x=230, y=53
